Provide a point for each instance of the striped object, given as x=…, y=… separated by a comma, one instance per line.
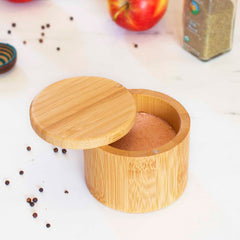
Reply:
x=8, y=57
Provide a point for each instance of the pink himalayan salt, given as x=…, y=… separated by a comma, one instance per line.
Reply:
x=148, y=133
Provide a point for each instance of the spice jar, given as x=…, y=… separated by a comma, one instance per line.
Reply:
x=92, y=113
x=208, y=27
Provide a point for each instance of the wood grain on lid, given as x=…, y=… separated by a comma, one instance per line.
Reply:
x=83, y=112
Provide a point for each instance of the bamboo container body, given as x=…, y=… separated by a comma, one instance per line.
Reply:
x=142, y=181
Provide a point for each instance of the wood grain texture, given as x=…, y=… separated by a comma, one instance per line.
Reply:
x=83, y=112
x=143, y=181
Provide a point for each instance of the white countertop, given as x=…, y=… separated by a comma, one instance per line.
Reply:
x=93, y=45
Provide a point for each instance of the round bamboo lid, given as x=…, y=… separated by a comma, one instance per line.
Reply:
x=83, y=112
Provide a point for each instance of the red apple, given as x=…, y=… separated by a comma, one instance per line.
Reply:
x=20, y=1
x=137, y=15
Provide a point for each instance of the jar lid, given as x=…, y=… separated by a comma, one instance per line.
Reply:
x=83, y=112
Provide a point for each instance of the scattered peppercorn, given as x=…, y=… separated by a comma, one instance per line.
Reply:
x=29, y=148
x=7, y=182
x=71, y=18
x=35, y=200
x=43, y=27
x=48, y=25
x=48, y=225
x=40, y=189
x=24, y=42
x=66, y=192
x=9, y=32
x=35, y=215
x=14, y=24
x=41, y=40
x=42, y=34
x=55, y=150
x=32, y=204
x=135, y=45
x=58, y=48
x=29, y=200
x=21, y=172
x=64, y=151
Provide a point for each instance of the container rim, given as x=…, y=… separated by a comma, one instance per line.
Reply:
x=182, y=133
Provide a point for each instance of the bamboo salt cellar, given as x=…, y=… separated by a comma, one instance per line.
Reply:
x=90, y=113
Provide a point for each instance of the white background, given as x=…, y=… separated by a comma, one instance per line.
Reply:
x=93, y=45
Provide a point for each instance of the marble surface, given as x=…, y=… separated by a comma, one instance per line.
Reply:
x=93, y=45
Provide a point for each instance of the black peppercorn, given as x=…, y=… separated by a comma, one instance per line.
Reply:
x=40, y=189
x=21, y=172
x=55, y=150
x=29, y=148
x=35, y=200
x=7, y=182
x=64, y=151
x=48, y=225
